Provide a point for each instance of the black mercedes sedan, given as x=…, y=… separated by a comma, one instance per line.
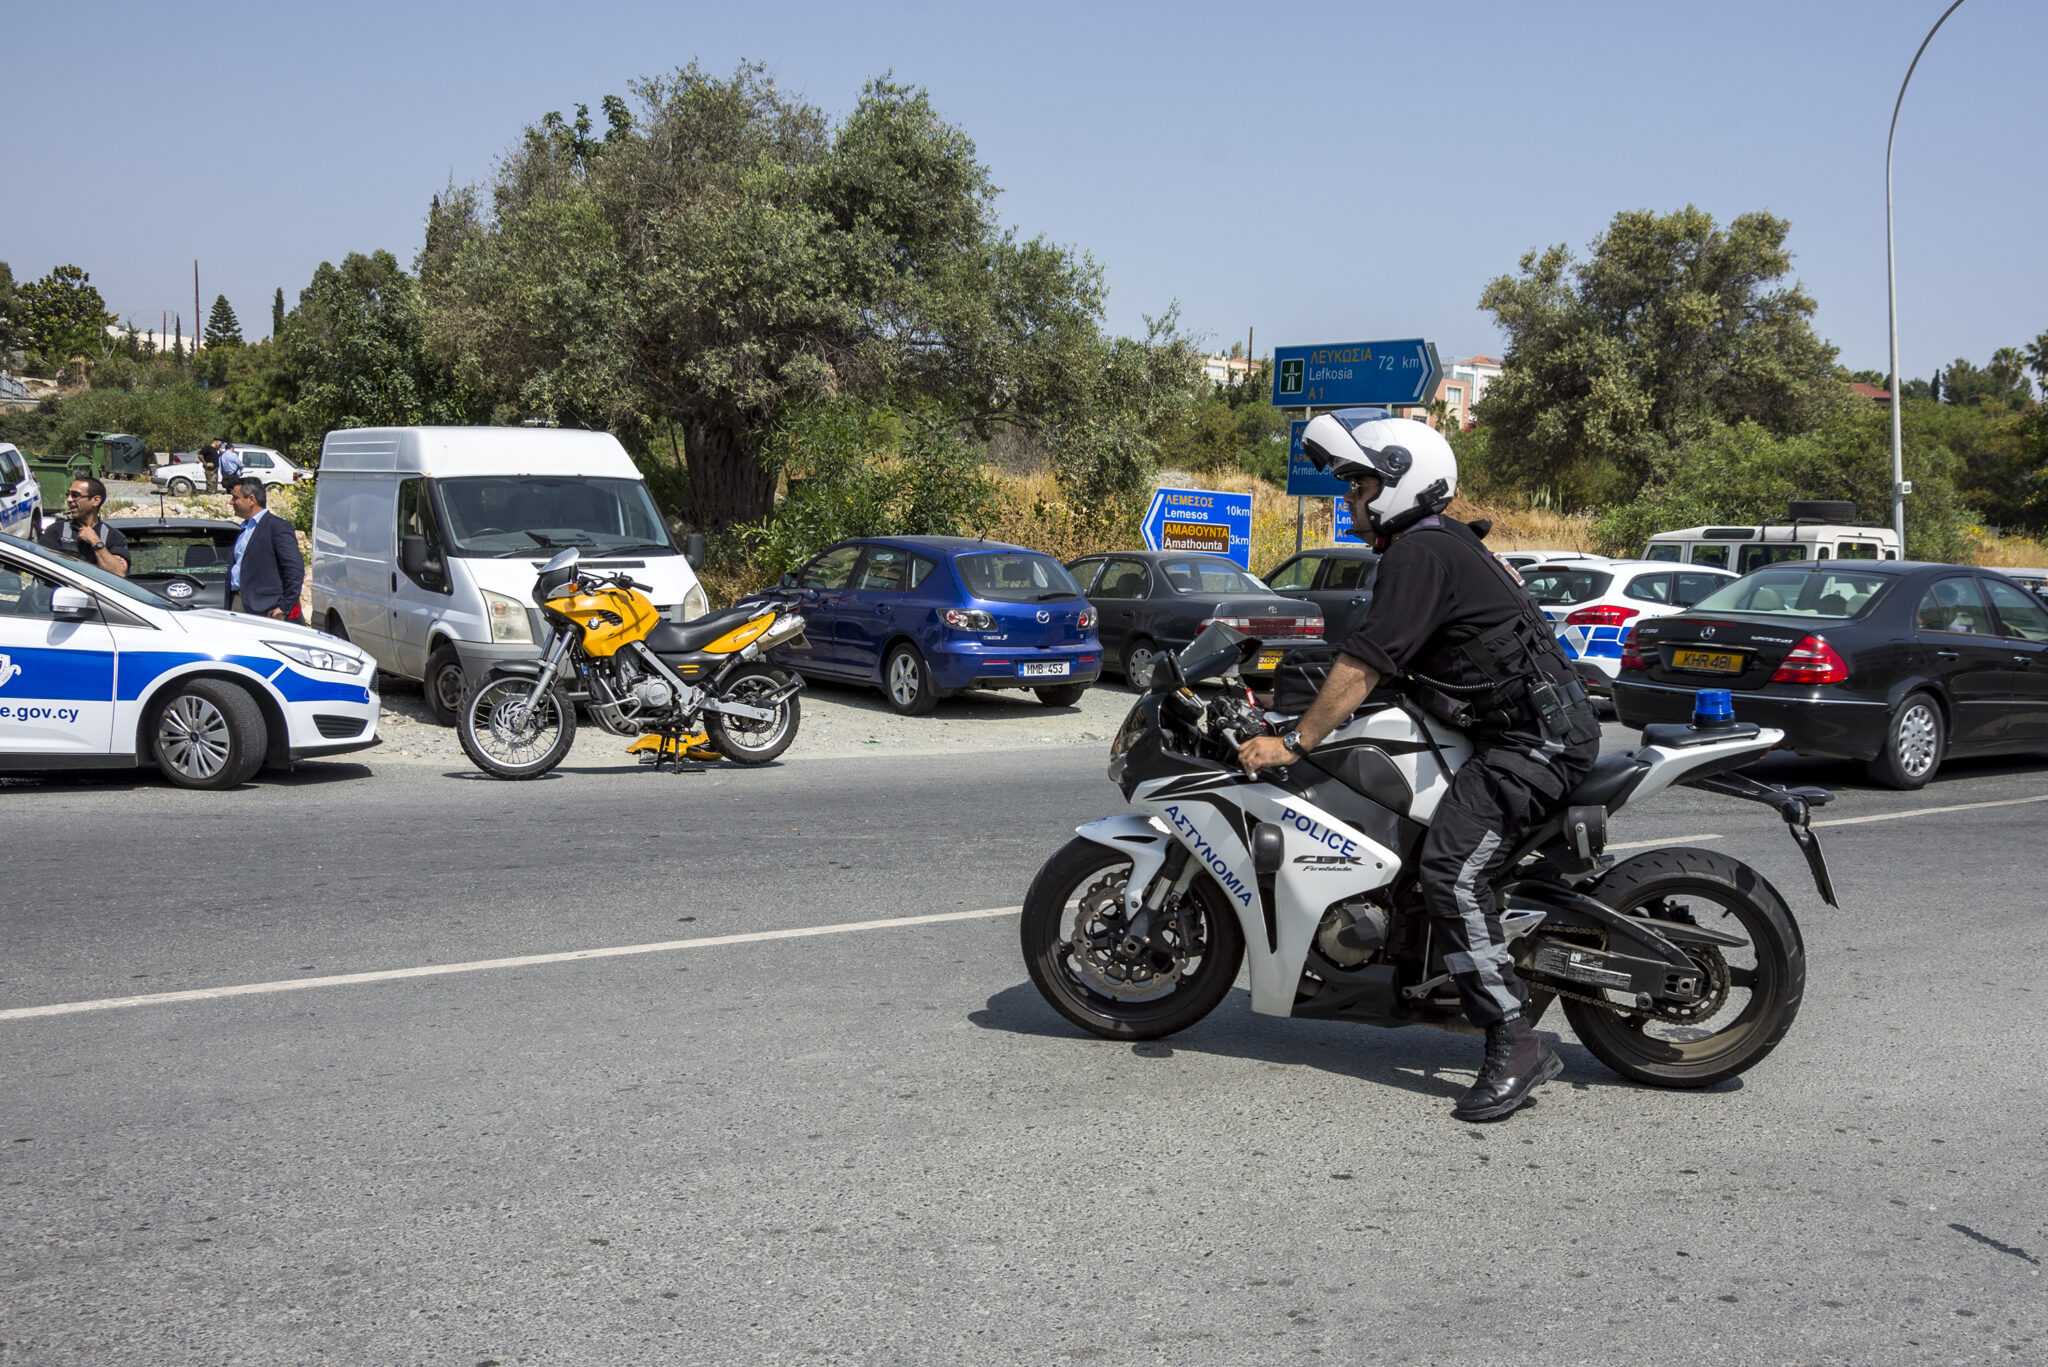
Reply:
x=1338, y=579
x=1893, y=663
x=1150, y=601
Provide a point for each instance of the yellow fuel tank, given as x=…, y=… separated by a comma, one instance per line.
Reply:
x=611, y=617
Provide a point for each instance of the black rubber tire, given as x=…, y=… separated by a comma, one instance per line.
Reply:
x=913, y=694
x=730, y=736
x=444, y=696
x=1130, y=668
x=208, y=734
x=179, y=487
x=336, y=627
x=1078, y=863
x=1778, y=976
x=481, y=699
x=1915, y=742
x=1066, y=695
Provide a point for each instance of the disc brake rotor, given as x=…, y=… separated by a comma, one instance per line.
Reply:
x=1098, y=955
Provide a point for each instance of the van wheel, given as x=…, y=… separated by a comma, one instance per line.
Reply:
x=443, y=684
x=336, y=627
x=209, y=735
x=180, y=487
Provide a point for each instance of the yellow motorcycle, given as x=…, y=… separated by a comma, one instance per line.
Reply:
x=691, y=690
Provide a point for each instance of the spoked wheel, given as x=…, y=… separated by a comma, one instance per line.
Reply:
x=1752, y=993
x=744, y=740
x=506, y=739
x=1084, y=959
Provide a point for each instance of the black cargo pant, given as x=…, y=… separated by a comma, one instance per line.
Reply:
x=1494, y=800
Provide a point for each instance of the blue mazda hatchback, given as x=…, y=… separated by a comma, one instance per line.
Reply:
x=927, y=616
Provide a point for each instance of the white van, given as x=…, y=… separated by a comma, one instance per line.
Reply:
x=1817, y=530
x=426, y=541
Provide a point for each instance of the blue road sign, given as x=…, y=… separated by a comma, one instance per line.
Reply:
x=1303, y=478
x=1201, y=520
x=1351, y=373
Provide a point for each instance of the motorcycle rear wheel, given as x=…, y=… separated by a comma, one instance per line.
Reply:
x=495, y=744
x=744, y=740
x=1764, y=982
x=1055, y=917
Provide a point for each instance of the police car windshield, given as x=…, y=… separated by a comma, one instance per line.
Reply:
x=495, y=514
x=1560, y=588
x=113, y=583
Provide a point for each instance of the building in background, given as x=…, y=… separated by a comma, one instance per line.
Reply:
x=1223, y=370
x=1462, y=385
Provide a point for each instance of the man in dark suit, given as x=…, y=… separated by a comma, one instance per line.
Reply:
x=268, y=569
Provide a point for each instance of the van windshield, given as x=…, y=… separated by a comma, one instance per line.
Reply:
x=497, y=515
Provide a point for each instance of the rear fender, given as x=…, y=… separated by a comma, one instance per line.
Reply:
x=1682, y=765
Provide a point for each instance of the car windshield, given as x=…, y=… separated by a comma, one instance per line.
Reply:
x=1210, y=575
x=1016, y=577
x=1798, y=593
x=195, y=552
x=1561, y=588
x=100, y=578
x=496, y=514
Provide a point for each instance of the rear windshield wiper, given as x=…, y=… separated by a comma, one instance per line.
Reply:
x=1048, y=597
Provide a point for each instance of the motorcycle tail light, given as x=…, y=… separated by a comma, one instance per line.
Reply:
x=1602, y=615
x=1812, y=661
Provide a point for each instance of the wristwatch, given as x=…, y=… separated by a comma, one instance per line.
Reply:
x=1292, y=740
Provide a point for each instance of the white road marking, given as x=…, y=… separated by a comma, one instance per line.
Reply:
x=203, y=994
x=1667, y=840
x=1930, y=811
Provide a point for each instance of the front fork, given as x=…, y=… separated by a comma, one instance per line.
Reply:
x=549, y=663
x=1175, y=876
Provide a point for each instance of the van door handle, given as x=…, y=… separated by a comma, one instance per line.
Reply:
x=394, y=581
x=1948, y=655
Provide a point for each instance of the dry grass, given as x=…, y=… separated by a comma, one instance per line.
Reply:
x=2015, y=552
x=1031, y=511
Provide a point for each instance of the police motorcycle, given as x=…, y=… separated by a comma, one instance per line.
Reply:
x=1676, y=967
x=699, y=690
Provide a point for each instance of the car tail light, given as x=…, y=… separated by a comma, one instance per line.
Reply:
x=969, y=619
x=1088, y=618
x=1812, y=661
x=1631, y=655
x=1241, y=623
x=1602, y=615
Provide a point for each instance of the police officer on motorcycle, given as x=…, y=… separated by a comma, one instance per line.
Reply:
x=1473, y=645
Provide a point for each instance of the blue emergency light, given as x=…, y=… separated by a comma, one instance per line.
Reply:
x=1713, y=707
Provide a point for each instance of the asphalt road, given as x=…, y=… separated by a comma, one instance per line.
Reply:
x=880, y=1146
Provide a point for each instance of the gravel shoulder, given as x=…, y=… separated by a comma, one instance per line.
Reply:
x=838, y=720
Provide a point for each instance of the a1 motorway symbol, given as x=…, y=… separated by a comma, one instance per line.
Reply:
x=1290, y=376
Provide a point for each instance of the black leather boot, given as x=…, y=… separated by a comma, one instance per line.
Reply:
x=1518, y=1061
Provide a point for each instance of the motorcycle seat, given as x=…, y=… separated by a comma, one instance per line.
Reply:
x=1678, y=736
x=670, y=638
x=1612, y=779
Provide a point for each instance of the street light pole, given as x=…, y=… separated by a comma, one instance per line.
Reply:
x=1891, y=269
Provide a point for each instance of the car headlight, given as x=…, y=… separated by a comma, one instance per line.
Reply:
x=321, y=657
x=695, y=603
x=508, y=619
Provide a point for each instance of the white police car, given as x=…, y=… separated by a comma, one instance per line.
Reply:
x=1594, y=605
x=21, y=498
x=96, y=672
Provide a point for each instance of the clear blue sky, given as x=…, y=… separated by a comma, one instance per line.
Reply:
x=1323, y=172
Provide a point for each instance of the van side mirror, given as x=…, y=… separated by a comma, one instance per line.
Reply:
x=412, y=556
x=693, y=550
x=70, y=605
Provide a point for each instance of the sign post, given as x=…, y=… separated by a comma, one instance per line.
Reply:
x=1345, y=375
x=1204, y=520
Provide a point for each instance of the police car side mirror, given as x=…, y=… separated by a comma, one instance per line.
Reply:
x=70, y=605
x=7, y=490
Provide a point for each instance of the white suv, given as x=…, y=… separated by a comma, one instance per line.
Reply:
x=1593, y=606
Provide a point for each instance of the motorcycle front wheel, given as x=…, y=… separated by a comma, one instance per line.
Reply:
x=1077, y=950
x=506, y=740
x=743, y=740
x=1753, y=990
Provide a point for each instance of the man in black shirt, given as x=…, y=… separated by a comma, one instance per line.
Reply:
x=1445, y=611
x=81, y=535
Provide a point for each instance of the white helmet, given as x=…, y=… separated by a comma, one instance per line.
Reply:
x=1417, y=470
